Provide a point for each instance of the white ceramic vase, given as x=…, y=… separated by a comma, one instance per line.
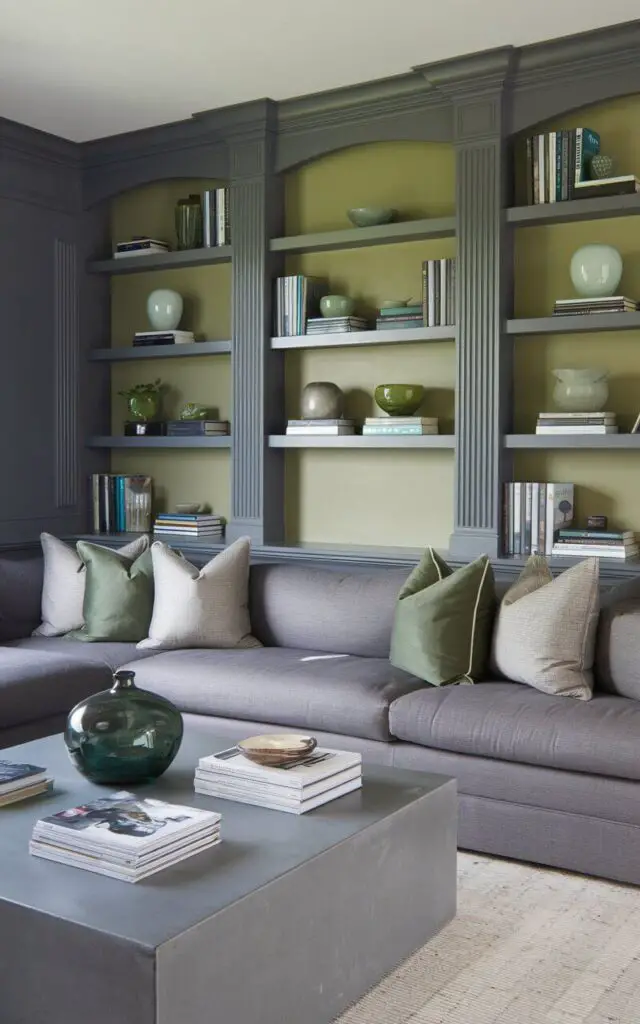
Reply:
x=584, y=390
x=596, y=270
x=164, y=309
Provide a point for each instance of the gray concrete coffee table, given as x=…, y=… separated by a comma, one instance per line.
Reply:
x=288, y=921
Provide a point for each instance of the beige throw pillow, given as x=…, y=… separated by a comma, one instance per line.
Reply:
x=206, y=607
x=545, y=629
x=64, y=584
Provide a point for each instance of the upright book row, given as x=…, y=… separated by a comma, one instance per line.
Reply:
x=297, y=297
x=438, y=292
x=216, y=228
x=557, y=164
x=121, y=504
x=533, y=515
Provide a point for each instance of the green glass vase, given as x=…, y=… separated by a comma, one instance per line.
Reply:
x=189, y=223
x=124, y=735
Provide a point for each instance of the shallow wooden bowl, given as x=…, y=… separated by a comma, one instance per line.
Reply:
x=276, y=749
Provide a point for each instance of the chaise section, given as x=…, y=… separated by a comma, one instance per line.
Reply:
x=37, y=685
x=303, y=689
x=108, y=655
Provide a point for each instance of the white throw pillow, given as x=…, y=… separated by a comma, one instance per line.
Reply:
x=64, y=582
x=206, y=607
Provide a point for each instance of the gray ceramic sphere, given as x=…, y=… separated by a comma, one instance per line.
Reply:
x=322, y=400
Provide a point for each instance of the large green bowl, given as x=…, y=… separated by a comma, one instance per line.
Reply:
x=399, y=399
x=369, y=216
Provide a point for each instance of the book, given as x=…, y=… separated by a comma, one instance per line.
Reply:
x=319, y=431
x=25, y=792
x=596, y=551
x=222, y=217
x=197, y=428
x=533, y=515
x=321, y=423
x=140, y=245
x=575, y=415
x=386, y=311
x=148, y=251
x=438, y=292
x=401, y=421
x=271, y=803
x=600, y=535
x=208, y=204
x=297, y=298
x=196, y=518
x=121, y=504
x=606, y=428
x=557, y=163
x=15, y=774
x=400, y=318
x=163, y=337
x=401, y=430
x=623, y=185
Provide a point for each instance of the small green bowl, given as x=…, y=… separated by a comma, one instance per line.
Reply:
x=399, y=399
x=337, y=305
x=369, y=216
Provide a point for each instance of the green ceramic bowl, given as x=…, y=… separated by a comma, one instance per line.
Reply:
x=336, y=305
x=367, y=216
x=399, y=399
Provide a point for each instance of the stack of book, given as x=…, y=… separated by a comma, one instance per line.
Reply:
x=163, y=338
x=215, y=217
x=124, y=836
x=297, y=787
x=608, y=304
x=438, y=292
x=597, y=544
x=623, y=185
x=139, y=246
x=400, y=425
x=335, y=324
x=194, y=526
x=197, y=428
x=576, y=423
x=533, y=515
x=121, y=504
x=297, y=298
x=557, y=162
x=320, y=428
x=20, y=781
x=391, y=317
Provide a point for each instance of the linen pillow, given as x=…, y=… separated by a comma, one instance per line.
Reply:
x=64, y=582
x=118, y=597
x=443, y=619
x=205, y=607
x=545, y=629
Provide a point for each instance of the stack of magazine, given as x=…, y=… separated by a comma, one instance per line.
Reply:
x=125, y=837
x=20, y=781
x=297, y=787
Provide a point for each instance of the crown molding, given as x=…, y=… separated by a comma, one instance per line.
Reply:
x=472, y=76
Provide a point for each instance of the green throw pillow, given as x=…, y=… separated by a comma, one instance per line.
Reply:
x=443, y=621
x=118, y=598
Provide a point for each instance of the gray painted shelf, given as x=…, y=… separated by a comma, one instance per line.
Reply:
x=159, y=442
x=162, y=261
x=346, y=339
x=588, y=441
x=588, y=322
x=574, y=209
x=198, y=348
x=368, y=441
x=358, y=238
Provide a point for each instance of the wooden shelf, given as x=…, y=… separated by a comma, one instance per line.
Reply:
x=574, y=209
x=358, y=441
x=161, y=261
x=588, y=441
x=583, y=323
x=198, y=348
x=159, y=442
x=358, y=238
x=355, y=339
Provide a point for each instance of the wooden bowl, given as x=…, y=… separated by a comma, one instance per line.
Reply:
x=276, y=749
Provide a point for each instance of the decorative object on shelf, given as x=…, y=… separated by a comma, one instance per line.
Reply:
x=601, y=166
x=193, y=411
x=597, y=522
x=321, y=400
x=337, y=305
x=189, y=222
x=392, y=303
x=144, y=400
x=581, y=390
x=277, y=749
x=369, y=216
x=121, y=504
x=136, y=428
x=399, y=399
x=636, y=426
x=596, y=270
x=123, y=735
x=188, y=508
x=164, y=309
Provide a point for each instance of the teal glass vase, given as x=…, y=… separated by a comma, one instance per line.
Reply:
x=124, y=735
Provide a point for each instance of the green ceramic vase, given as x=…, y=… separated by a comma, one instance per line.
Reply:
x=144, y=407
x=124, y=735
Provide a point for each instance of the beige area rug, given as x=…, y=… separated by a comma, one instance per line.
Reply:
x=528, y=946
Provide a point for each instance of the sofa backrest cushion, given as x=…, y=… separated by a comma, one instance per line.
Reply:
x=20, y=594
x=324, y=609
x=617, y=667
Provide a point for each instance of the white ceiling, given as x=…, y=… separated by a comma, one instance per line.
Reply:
x=84, y=69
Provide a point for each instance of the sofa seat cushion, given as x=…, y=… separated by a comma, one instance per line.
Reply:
x=37, y=684
x=109, y=655
x=512, y=722
x=303, y=689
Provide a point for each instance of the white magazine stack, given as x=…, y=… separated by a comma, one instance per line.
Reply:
x=316, y=779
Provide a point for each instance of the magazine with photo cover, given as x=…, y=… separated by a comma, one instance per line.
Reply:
x=322, y=763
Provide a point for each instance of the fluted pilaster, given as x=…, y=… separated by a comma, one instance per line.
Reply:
x=66, y=369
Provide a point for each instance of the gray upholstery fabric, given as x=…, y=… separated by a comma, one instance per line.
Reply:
x=36, y=685
x=27, y=731
x=617, y=667
x=109, y=655
x=293, y=688
x=511, y=722
x=20, y=594
x=324, y=609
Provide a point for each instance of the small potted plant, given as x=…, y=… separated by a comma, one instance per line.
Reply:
x=144, y=401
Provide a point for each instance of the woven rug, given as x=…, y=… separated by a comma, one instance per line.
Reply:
x=528, y=946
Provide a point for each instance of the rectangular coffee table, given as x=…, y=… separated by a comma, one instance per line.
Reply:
x=288, y=921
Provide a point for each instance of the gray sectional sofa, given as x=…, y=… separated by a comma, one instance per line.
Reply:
x=546, y=779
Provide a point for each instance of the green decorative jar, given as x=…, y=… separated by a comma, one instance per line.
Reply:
x=189, y=222
x=124, y=735
x=145, y=406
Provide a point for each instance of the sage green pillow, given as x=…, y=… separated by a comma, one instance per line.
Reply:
x=118, y=597
x=443, y=621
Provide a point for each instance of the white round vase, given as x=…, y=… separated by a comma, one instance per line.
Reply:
x=164, y=309
x=596, y=270
x=584, y=390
